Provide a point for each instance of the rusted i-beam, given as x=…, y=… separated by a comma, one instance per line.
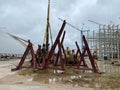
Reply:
x=94, y=65
x=59, y=55
x=61, y=45
x=65, y=59
x=33, y=61
x=81, y=56
x=54, y=46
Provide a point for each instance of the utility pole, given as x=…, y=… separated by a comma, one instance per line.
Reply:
x=48, y=31
x=47, y=26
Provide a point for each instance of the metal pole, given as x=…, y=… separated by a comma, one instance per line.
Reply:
x=81, y=40
x=104, y=40
x=118, y=42
x=100, y=55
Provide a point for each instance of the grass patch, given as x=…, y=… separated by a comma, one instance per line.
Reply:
x=87, y=80
x=27, y=72
x=110, y=81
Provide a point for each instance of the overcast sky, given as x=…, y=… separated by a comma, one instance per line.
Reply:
x=27, y=18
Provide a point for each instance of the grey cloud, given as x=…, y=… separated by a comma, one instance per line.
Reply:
x=27, y=18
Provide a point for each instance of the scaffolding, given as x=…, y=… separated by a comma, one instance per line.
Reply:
x=106, y=41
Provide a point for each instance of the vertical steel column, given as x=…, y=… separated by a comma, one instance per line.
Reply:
x=118, y=53
x=100, y=55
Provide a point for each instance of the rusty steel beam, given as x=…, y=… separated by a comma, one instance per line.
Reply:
x=38, y=55
x=82, y=65
x=60, y=50
x=94, y=65
x=33, y=61
x=54, y=46
x=81, y=56
x=65, y=59
x=56, y=61
x=60, y=55
x=57, y=57
x=34, y=64
x=82, y=59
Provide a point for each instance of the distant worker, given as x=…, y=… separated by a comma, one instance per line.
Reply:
x=39, y=54
x=95, y=54
x=73, y=53
x=43, y=49
x=68, y=52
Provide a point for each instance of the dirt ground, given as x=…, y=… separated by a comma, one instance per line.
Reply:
x=12, y=81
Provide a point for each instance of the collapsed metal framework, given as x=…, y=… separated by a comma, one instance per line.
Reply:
x=33, y=61
x=45, y=58
x=42, y=60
